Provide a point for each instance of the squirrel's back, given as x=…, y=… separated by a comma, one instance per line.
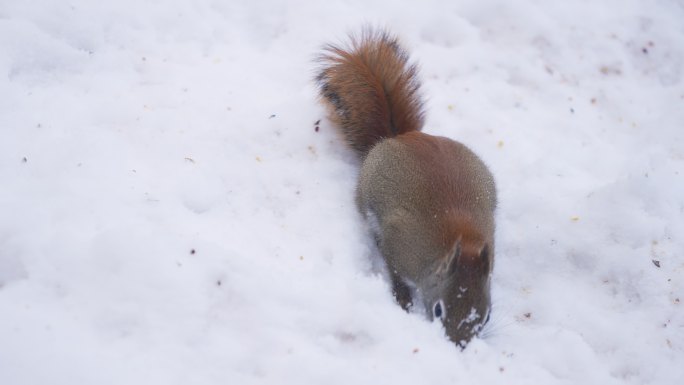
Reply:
x=371, y=88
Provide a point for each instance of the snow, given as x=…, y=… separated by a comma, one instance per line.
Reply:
x=170, y=215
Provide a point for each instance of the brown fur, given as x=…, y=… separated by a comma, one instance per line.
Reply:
x=430, y=200
x=371, y=88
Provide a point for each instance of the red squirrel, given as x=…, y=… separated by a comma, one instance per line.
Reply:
x=429, y=200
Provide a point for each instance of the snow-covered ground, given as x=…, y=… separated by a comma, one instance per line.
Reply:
x=171, y=214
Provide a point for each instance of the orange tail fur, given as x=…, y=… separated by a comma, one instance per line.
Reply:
x=371, y=88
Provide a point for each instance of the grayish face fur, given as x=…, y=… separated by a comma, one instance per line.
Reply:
x=458, y=296
x=461, y=326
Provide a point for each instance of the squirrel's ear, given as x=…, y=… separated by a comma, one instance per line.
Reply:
x=452, y=259
x=484, y=257
x=477, y=261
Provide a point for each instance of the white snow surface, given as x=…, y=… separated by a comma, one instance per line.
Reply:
x=170, y=215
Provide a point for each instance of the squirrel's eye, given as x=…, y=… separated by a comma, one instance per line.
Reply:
x=438, y=309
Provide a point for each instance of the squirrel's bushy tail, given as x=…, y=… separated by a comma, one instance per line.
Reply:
x=371, y=88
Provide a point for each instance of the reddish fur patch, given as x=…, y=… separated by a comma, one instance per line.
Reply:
x=372, y=89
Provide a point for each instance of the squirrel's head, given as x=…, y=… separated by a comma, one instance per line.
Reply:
x=460, y=296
